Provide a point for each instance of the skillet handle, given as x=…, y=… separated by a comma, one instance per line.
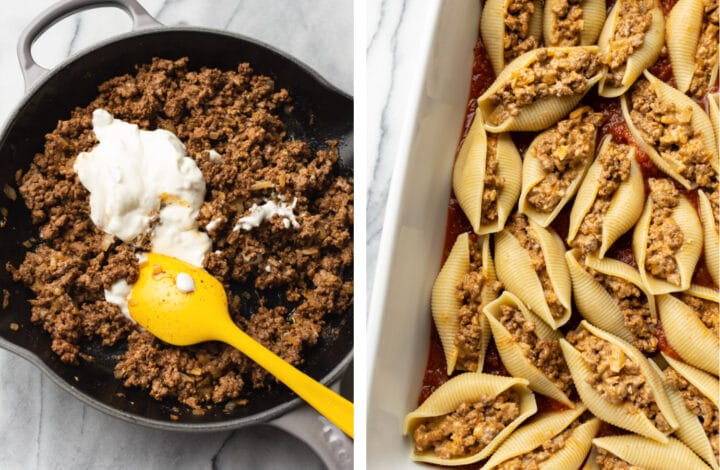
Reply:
x=30, y=69
x=328, y=442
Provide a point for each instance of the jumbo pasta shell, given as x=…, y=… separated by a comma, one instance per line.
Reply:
x=594, y=302
x=710, y=236
x=650, y=454
x=533, y=174
x=543, y=112
x=618, y=414
x=686, y=333
x=699, y=121
x=690, y=430
x=714, y=112
x=683, y=32
x=706, y=383
x=469, y=388
x=593, y=18
x=625, y=206
x=543, y=428
x=446, y=305
x=492, y=29
x=511, y=353
x=687, y=255
x=469, y=176
x=641, y=58
x=515, y=271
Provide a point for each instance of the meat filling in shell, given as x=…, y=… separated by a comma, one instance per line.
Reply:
x=665, y=237
x=706, y=311
x=608, y=461
x=617, y=378
x=563, y=153
x=533, y=459
x=493, y=183
x=706, y=54
x=568, y=24
x=633, y=23
x=517, y=38
x=468, y=429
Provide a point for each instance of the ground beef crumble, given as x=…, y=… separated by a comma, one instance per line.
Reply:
x=568, y=23
x=608, y=461
x=706, y=310
x=564, y=152
x=555, y=72
x=633, y=23
x=235, y=113
x=519, y=227
x=545, y=354
x=468, y=429
x=517, y=39
x=616, y=377
x=699, y=405
x=533, y=459
x=668, y=128
x=615, y=164
x=634, y=305
x=492, y=183
x=706, y=54
x=665, y=237
x=470, y=292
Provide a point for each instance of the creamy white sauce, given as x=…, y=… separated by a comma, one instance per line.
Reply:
x=118, y=294
x=213, y=224
x=214, y=156
x=259, y=214
x=185, y=283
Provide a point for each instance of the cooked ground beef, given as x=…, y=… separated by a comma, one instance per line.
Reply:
x=665, y=237
x=635, y=308
x=517, y=39
x=300, y=277
x=668, y=128
x=608, y=461
x=615, y=163
x=493, y=183
x=706, y=310
x=467, y=430
x=518, y=226
x=568, y=23
x=533, y=459
x=706, y=54
x=544, y=354
x=616, y=377
x=470, y=292
x=634, y=21
x=563, y=152
x=553, y=73
x=699, y=405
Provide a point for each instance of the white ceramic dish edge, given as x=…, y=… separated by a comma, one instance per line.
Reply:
x=414, y=228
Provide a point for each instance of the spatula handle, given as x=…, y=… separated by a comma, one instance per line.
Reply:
x=334, y=407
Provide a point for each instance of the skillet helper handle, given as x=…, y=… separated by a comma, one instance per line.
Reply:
x=31, y=70
x=329, y=403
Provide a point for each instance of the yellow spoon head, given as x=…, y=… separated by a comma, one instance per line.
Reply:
x=177, y=302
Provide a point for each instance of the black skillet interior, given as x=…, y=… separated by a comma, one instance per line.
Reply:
x=320, y=114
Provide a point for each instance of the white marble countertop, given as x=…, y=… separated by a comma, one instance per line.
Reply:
x=41, y=426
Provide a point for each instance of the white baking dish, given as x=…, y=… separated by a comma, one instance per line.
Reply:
x=414, y=229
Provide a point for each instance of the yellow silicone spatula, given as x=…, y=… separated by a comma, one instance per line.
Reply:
x=182, y=304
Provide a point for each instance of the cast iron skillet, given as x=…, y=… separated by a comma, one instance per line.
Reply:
x=321, y=112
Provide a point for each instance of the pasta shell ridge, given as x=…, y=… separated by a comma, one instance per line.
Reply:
x=593, y=18
x=711, y=238
x=509, y=168
x=683, y=32
x=492, y=28
x=469, y=171
x=706, y=383
x=647, y=453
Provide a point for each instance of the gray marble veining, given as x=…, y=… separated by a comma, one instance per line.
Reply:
x=42, y=427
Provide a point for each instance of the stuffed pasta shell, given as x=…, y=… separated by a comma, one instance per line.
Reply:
x=611, y=295
x=467, y=418
x=635, y=452
x=690, y=322
x=709, y=210
x=572, y=22
x=607, y=204
x=551, y=440
x=692, y=42
x=486, y=178
x=509, y=29
x=529, y=348
x=465, y=284
x=617, y=384
x=630, y=42
x=555, y=164
x=673, y=130
x=667, y=240
x=538, y=88
x=694, y=395
x=531, y=264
